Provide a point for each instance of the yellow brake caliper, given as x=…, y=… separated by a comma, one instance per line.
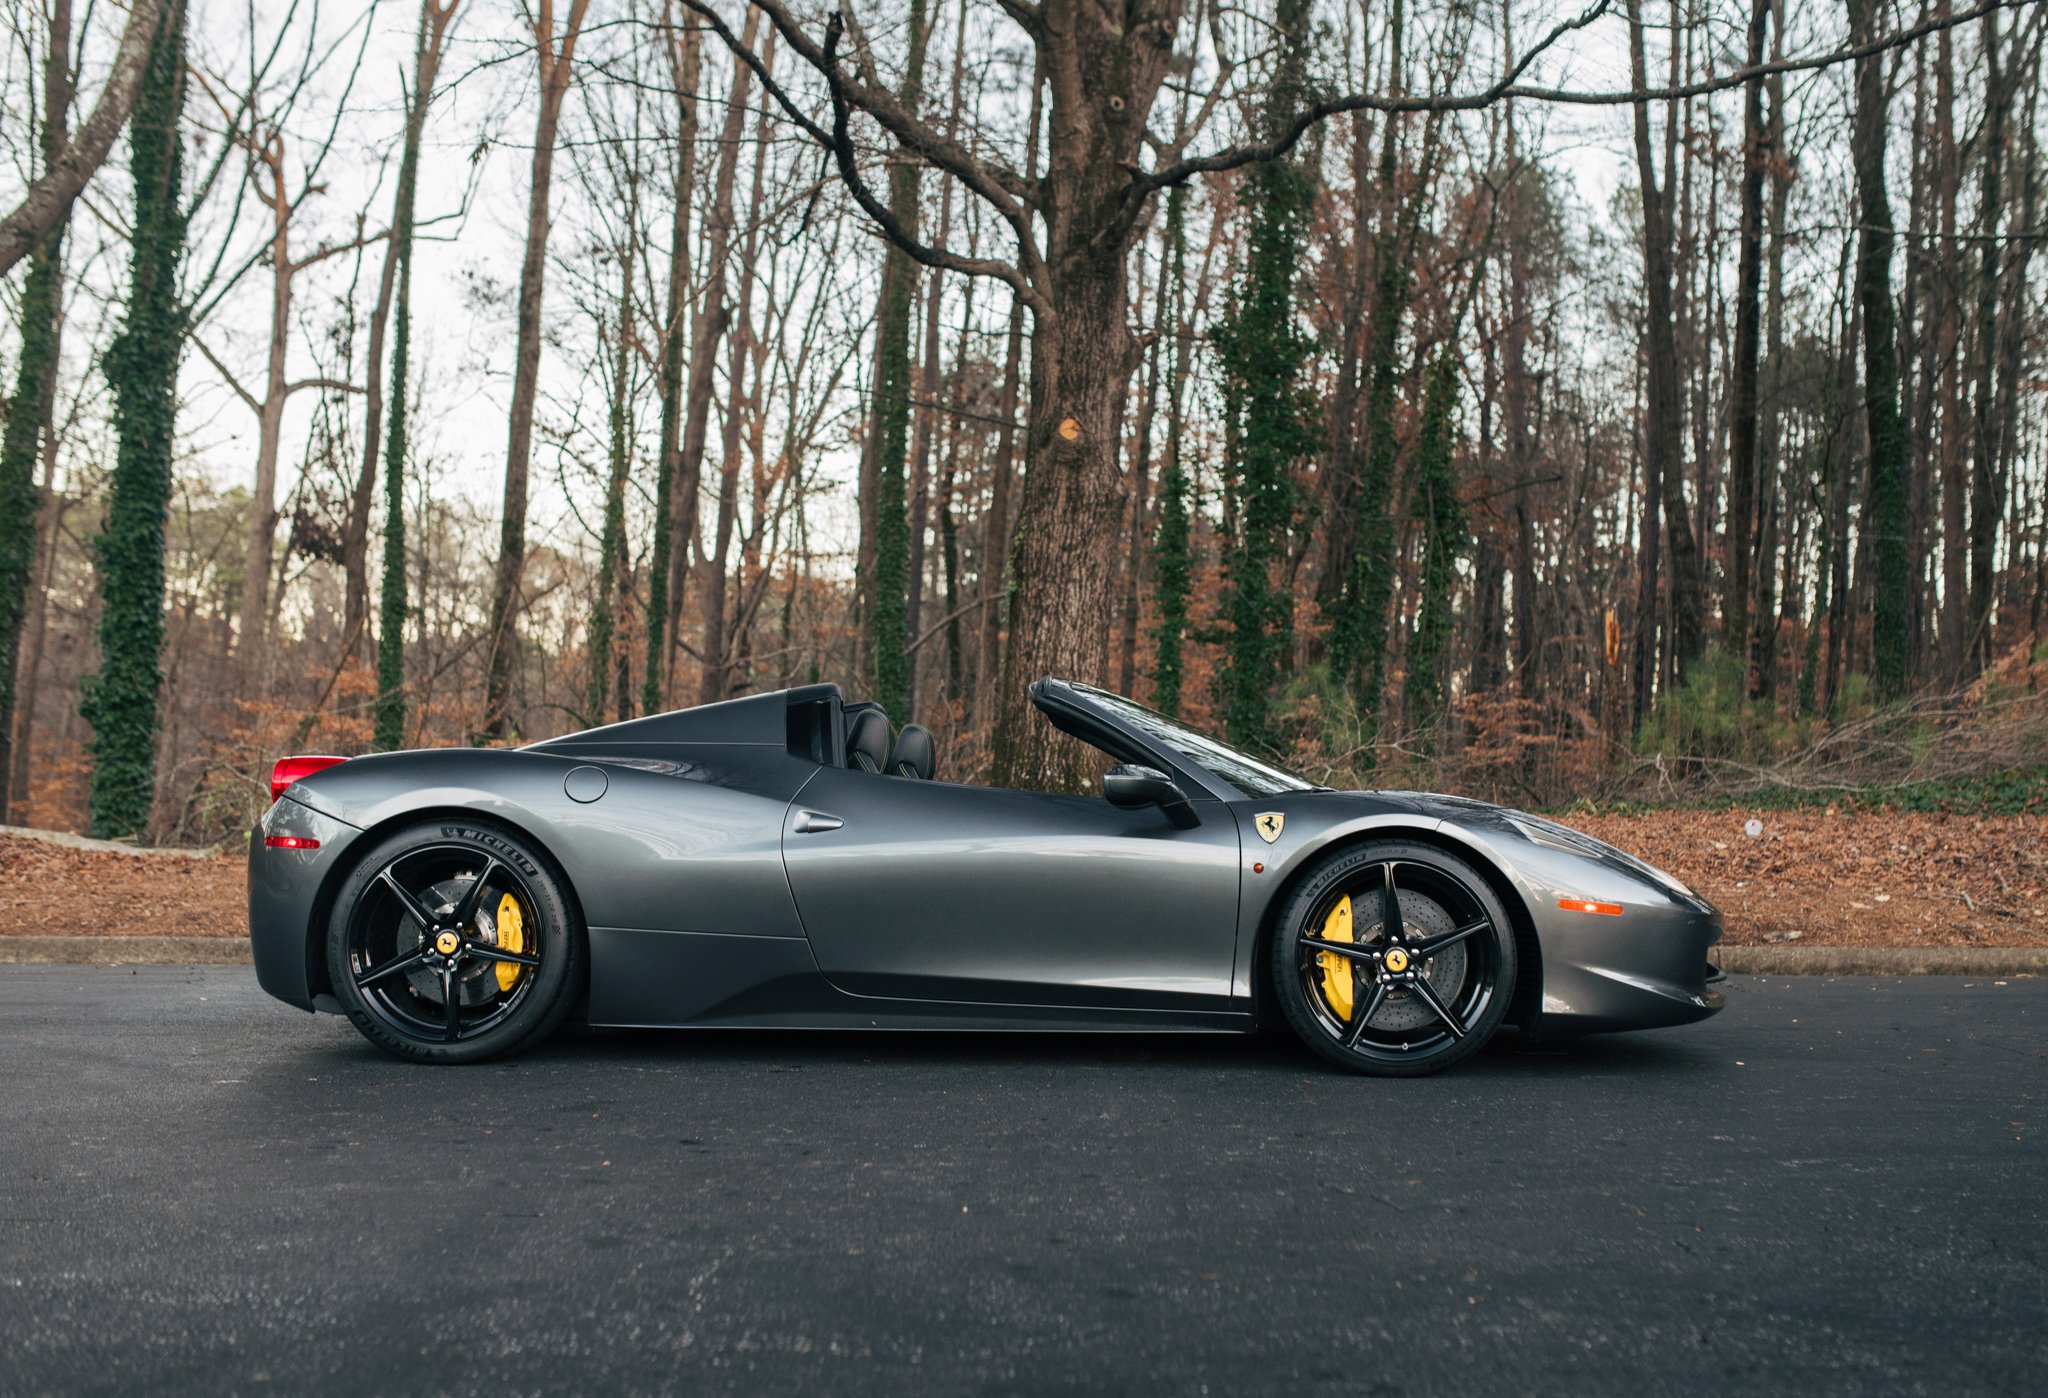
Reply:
x=1336, y=969
x=511, y=937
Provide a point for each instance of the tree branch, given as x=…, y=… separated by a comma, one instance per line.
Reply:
x=47, y=199
x=891, y=226
x=1003, y=187
x=1508, y=86
x=953, y=159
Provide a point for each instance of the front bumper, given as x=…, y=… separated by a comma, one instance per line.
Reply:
x=287, y=903
x=1646, y=969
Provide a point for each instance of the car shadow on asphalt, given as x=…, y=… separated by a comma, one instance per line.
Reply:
x=1510, y=1055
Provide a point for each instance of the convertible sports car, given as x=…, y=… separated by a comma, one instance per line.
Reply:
x=785, y=860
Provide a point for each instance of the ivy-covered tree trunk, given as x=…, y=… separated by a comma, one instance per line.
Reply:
x=1172, y=558
x=28, y=407
x=391, y=600
x=142, y=369
x=1272, y=412
x=1885, y=511
x=1445, y=536
x=1359, y=627
x=889, y=578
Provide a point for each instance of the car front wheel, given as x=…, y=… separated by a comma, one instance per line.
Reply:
x=1394, y=959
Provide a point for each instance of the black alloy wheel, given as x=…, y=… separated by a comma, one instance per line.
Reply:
x=1394, y=959
x=454, y=944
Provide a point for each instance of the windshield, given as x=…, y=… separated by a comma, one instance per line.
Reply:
x=1241, y=770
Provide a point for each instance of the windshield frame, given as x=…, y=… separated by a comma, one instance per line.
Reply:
x=1190, y=747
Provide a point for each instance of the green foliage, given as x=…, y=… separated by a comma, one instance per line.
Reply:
x=120, y=701
x=1273, y=415
x=1172, y=554
x=1446, y=535
x=1710, y=714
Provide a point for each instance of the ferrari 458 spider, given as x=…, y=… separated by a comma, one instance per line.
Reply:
x=785, y=860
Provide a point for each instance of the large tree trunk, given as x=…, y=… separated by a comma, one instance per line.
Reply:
x=29, y=433
x=1064, y=562
x=555, y=58
x=1885, y=510
x=1104, y=64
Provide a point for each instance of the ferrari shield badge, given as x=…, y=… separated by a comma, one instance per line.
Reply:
x=1270, y=824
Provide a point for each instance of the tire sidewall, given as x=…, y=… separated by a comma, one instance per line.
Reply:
x=558, y=979
x=1340, y=866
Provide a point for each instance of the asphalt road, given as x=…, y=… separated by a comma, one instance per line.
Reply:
x=1836, y=1186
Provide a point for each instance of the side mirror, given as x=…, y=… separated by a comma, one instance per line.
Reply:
x=1133, y=788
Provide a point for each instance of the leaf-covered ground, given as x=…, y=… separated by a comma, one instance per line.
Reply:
x=52, y=891
x=1866, y=878
x=1842, y=878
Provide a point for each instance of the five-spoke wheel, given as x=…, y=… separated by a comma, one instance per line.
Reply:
x=1394, y=959
x=453, y=944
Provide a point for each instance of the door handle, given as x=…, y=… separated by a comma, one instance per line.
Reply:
x=815, y=822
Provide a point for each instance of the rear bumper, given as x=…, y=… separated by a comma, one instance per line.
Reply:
x=287, y=904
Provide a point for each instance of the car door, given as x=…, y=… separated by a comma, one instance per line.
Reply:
x=935, y=891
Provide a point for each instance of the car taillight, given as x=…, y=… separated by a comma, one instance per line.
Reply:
x=291, y=769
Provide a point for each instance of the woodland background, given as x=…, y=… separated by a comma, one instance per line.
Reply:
x=1372, y=381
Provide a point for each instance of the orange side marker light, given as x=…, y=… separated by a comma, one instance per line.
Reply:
x=1587, y=905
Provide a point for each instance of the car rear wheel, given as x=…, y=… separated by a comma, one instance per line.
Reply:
x=1394, y=959
x=454, y=944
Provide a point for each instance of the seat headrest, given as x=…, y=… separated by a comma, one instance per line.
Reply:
x=867, y=741
x=916, y=753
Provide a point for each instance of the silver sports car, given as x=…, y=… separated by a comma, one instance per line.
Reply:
x=788, y=860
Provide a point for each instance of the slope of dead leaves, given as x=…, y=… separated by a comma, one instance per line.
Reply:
x=1866, y=878
x=1834, y=879
x=50, y=890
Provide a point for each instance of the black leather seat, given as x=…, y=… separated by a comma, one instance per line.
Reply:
x=916, y=753
x=867, y=741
